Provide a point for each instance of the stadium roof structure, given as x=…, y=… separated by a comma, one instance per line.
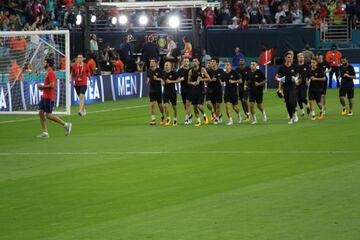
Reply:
x=159, y=4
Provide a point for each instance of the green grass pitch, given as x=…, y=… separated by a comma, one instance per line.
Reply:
x=116, y=177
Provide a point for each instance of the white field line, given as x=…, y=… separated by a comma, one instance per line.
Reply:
x=169, y=152
x=93, y=112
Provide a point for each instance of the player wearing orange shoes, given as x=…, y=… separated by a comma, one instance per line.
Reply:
x=317, y=78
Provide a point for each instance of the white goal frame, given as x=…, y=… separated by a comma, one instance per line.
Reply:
x=66, y=33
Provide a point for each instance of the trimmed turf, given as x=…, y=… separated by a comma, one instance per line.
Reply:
x=118, y=178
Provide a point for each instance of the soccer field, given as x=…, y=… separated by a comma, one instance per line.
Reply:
x=116, y=177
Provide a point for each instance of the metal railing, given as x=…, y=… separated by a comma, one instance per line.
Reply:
x=105, y=25
x=336, y=29
x=262, y=26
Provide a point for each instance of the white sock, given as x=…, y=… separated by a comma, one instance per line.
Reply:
x=198, y=119
x=153, y=117
x=313, y=113
x=204, y=115
x=254, y=117
x=230, y=119
x=175, y=119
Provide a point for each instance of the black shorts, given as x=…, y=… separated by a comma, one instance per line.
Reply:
x=80, y=90
x=46, y=105
x=256, y=96
x=243, y=95
x=346, y=91
x=170, y=97
x=315, y=94
x=214, y=96
x=231, y=97
x=185, y=96
x=197, y=98
x=155, y=96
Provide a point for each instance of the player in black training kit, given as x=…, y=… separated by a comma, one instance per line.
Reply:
x=326, y=68
x=347, y=74
x=302, y=89
x=287, y=76
x=255, y=82
x=317, y=79
x=215, y=87
x=231, y=78
x=169, y=79
x=154, y=75
x=209, y=104
x=243, y=71
x=197, y=77
x=183, y=74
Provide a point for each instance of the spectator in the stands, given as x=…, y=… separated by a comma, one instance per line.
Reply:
x=308, y=54
x=69, y=3
x=255, y=14
x=94, y=48
x=236, y=59
x=339, y=12
x=69, y=19
x=209, y=17
x=297, y=15
x=150, y=50
x=187, y=51
x=224, y=17
x=125, y=49
x=244, y=24
x=266, y=12
x=118, y=65
x=50, y=8
x=15, y=71
x=279, y=14
x=235, y=23
x=106, y=64
x=171, y=45
x=204, y=58
x=36, y=10
x=92, y=64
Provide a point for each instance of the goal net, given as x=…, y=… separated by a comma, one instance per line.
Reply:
x=22, y=56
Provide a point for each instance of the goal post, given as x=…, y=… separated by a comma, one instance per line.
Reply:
x=22, y=56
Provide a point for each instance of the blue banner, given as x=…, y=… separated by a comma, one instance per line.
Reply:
x=113, y=87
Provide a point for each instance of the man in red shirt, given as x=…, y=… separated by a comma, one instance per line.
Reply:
x=81, y=72
x=47, y=101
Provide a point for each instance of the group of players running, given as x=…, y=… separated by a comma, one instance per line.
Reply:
x=200, y=85
x=296, y=81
